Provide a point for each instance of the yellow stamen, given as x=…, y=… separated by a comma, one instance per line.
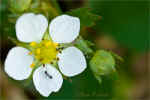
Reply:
x=30, y=53
x=32, y=65
x=47, y=44
x=33, y=44
x=45, y=51
x=37, y=57
x=55, y=44
x=38, y=51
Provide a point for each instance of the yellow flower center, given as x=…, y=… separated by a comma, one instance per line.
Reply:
x=45, y=52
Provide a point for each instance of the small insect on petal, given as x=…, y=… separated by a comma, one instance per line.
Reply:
x=49, y=76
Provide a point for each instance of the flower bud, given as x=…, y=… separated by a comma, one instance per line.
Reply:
x=102, y=63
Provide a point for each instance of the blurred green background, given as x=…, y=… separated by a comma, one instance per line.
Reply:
x=122, y=27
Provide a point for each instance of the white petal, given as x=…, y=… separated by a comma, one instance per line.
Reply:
x=17, y=63
x=64, y=29
x=43, y=83
x=31, y=27
x=72, y=61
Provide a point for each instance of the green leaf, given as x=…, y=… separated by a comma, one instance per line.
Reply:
x=127, y=22
x=87, y=19
x=102, y=63
x=83, y=45
x=20, y=5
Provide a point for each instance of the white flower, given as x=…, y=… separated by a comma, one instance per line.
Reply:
x=30, y=28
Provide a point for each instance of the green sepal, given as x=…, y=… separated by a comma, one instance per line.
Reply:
x=117, y=57
x=83, y=45
x=87, y=19
x=18, y=43
x=98, y=77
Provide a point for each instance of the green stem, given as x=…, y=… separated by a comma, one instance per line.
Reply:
x=55, y=3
